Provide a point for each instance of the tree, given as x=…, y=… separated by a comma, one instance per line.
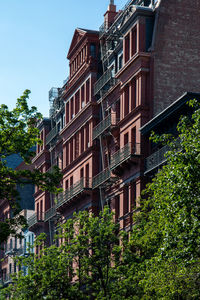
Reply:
x=161, y=258
x=84, y=266
x=18, y=135
x=166, y=237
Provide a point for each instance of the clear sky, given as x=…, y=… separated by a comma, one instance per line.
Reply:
x=35, y=36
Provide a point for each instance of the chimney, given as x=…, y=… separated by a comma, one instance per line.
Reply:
x=110, y=14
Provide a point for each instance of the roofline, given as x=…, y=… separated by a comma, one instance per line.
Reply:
x=175, y=106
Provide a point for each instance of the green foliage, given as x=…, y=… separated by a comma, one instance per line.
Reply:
x=18, y=135
x=159, y=260
x=84, y=266
x=167, y=233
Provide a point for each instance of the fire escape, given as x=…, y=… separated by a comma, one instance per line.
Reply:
x=111, y=39
x=56, y=105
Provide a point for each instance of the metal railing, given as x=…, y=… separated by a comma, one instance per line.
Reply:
x=101, y=178
x=105, y=26
x=50, y=213
x=51, y=135
x=9, y=251
x=35, y=219
x=156, y=159
x=106, y=79
x=74, y=190
x=110, y=120
x=21, y=251
x=6, y=279
x=124, y=153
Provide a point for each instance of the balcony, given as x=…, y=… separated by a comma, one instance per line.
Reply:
x=129, y=153
x=51, y=135
x=156, y=159
x=9, y=251
x=50, y=213
x=6, y=279
x=21, y=251
x=83, y=186
x=35, y=220
x=105, y=82
x=110, y=121
x=101, y=178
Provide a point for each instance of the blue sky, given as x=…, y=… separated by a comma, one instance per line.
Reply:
x=35, y=36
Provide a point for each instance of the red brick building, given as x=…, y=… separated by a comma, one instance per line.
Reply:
x=14, y=246
x=140, y=61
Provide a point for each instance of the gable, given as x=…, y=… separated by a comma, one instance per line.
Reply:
x=78, y=34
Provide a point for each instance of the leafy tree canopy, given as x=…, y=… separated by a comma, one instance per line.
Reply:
x=158, y=259
x=18, y=135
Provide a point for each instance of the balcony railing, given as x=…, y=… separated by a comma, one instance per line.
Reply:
x=76, y=189
x=35, y=219
x=156, y=159
x=9, y=251
x=50, y=213
x=51, y=135
x=101, y=178
x=6, y=279
x=110, y=120
x=123, y=154
x=21, y=251
x=102, y=81
x=106, y=79
x=105, y=26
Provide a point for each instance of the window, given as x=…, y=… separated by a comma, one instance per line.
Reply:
x=15, y=267
x=82, y=96
x=93, y=50
x=41, y=209
x=77, y=102
x=10, y=268
x=133, y=94
x=71, y=180
x=81, y=173
x=67, y=112
x=42, y=138
x=126, y=100
x=5, y=246
x=133, y=195
x=134, y=41
x=72, y=108
x=87, y=91
x=126, y=199
x=120, y=61
x=127, y=48
x=66, y=184
x=87, y=136
x=58, y=127
x=11, y=244
x=67, y=153
x=87, y=171
x=20, y=239
x=117, y=109
x=82, y=140
x=117, y=208
x=126, y=139
x=71, y=150
x=133, y=138
x=76, y=145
